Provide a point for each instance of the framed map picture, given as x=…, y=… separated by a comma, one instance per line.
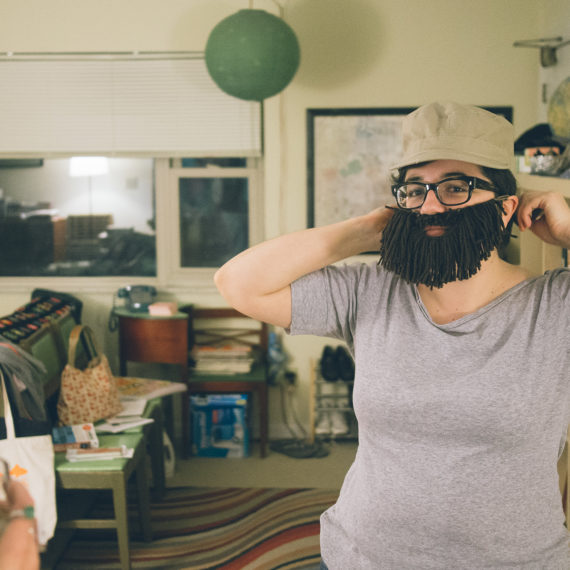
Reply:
x=350, y=154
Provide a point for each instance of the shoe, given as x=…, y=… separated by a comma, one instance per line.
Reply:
x=323, y=426
x=328, y=365
x=344, y=363
x=338, y=423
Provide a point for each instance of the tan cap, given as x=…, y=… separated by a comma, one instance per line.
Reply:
x=458, y=132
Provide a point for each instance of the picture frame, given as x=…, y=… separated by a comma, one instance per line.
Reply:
x=350, y=152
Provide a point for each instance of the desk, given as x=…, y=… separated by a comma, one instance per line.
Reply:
x=159, y=339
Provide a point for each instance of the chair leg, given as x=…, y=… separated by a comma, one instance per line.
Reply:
x=263, y=417
x=186, y=426
x=121, y=516
x=143, y=499
x=157, y=455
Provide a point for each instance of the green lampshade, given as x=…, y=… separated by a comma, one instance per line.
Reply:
x=252, y=55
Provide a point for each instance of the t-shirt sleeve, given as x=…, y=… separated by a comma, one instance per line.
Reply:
x=324, y=303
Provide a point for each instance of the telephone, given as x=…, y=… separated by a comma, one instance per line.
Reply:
x=137, y=297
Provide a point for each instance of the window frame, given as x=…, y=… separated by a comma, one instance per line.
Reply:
x=168, y=209
x=169, y=274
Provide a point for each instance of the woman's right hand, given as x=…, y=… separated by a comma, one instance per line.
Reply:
x=377, y=219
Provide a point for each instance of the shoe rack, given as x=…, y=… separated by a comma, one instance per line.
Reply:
x=328, y=401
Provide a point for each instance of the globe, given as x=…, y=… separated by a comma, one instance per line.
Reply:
x=559, y=110
x=252, y=54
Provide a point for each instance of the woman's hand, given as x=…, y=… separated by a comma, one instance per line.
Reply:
x=377, y=220
x=547, y=215
x=19, y=543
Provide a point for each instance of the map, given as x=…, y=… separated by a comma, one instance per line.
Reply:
x=352, y=159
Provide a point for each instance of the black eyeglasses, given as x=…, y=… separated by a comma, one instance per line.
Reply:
x=449, y=191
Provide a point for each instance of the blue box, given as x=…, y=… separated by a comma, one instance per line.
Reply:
x=219, y=425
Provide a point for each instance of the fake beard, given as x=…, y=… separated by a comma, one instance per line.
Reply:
x=471, y=234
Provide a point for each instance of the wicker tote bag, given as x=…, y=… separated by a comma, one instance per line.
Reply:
x=90, y=394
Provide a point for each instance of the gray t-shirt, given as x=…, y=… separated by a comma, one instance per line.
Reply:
x=460, y=425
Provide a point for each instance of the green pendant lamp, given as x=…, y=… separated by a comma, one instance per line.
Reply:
x=252, y=55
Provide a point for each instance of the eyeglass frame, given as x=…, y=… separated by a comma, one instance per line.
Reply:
x=473, y=183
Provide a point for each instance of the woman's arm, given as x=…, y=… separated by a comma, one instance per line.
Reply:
x=257, y=282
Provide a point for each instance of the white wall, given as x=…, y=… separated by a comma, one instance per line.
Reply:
x=372, y=53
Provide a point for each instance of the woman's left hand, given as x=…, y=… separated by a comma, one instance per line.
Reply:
x=547, y=215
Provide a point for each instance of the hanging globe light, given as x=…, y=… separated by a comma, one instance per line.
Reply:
x=252, y=54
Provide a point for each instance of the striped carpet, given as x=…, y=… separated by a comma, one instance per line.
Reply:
x=207, y=528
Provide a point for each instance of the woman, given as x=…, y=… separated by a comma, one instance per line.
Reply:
x=461, y=384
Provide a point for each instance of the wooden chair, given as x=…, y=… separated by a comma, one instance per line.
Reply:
x=46, y=345
x=219, y=326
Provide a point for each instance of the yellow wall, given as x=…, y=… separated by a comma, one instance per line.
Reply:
x=371, y=53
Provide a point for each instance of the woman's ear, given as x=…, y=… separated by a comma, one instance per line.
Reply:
x=510, y=206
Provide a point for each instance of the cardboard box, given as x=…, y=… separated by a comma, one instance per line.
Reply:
x=219, y=425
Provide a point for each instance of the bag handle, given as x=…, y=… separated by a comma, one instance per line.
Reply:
x=8, y=418
x=74, y=337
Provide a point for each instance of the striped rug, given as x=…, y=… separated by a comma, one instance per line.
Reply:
x=207, y=528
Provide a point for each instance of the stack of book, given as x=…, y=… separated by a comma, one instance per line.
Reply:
x=79, y=436
x=223, y=359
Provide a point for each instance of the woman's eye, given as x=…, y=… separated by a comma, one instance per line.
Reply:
x=455, y=188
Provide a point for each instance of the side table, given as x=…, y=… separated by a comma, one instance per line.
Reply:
x=158, y=339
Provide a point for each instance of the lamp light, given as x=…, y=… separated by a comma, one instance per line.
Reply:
x=88, y=166
x=252, y=54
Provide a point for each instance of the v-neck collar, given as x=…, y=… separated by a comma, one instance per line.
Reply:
x=475, y=314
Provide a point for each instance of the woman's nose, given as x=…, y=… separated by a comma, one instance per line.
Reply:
x=432, y=205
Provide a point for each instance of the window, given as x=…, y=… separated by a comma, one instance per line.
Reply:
x=82, y=216
x=217, y=203
x=213, y=220
x=113, y=217
x=149, y=214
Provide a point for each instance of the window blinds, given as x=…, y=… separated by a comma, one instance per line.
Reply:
x=154, y=107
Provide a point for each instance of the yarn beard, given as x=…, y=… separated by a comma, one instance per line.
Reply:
x=471, y=234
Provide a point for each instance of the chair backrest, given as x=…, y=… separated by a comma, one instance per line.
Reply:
x=44, y=345
x=217, y=326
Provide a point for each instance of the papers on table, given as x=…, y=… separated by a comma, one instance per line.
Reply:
x=130, y=417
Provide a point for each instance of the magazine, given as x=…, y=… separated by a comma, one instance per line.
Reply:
x=146, y=388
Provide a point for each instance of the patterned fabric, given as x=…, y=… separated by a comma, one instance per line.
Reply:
x=206, y=528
